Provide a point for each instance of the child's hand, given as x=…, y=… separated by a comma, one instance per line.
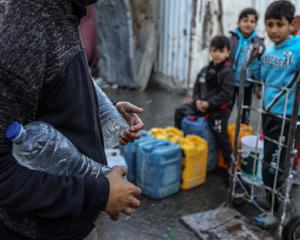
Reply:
x=198, y=104
x=258, y=93
x=256, y=51
x=202, y=106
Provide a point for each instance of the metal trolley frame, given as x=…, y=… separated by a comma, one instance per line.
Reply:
x=247, y=190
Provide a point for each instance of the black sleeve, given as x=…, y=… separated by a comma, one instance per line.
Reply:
x=226, y=89
x=23, y=191
x=198, y=85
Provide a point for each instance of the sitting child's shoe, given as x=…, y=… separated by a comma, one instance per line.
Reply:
x=263, y=202
x=266, y=220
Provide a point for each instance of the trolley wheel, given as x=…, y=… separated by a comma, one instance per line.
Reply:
x=292, y=230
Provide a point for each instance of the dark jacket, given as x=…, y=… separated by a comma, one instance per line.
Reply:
x=44, y=76
x=239, y=45
x=215, y=84
x=234, y=42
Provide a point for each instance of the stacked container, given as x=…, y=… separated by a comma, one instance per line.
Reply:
x=245, y=130
x=174, y=134
x=158, y=168
x=194, y=161
x=129, y=151
x=158, y=133
x=194, y=151
x=199, y=127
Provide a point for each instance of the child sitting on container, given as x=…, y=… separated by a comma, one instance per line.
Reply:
x=279, y=70
x=240, y=39
x=212, y=95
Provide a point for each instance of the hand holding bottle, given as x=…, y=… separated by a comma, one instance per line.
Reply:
x=113, y=124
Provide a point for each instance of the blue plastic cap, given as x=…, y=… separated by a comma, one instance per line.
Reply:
x=13, y=131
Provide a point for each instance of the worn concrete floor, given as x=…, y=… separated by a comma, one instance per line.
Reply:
x=161, y=219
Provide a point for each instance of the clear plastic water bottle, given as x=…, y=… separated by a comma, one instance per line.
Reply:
x=41, y=147
x=111, y=120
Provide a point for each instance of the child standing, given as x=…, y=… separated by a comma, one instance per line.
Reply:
x=280, y=66
x=240, y=40
x=212, y=95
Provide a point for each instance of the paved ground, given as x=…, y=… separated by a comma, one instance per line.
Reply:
x=161, y=219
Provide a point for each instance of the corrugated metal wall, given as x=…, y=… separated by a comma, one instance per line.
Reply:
x=174, y=42
x=205, y=25
x=186, y=27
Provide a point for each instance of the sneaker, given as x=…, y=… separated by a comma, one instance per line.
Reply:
x=266, y=220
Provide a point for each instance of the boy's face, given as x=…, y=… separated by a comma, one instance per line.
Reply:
x=247, y=25
x=218, y=55
x=278, y=30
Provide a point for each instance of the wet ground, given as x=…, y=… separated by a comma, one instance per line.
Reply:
x=161, y=219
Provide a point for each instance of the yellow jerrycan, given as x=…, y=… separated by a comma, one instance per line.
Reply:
x=195, y=152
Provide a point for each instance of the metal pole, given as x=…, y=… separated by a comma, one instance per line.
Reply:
x=234, y=165
x=289, y=157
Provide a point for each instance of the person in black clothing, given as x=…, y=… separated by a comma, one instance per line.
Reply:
x=212, y=95
x=44, y=77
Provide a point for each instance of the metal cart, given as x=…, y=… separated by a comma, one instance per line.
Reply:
x=245, y=188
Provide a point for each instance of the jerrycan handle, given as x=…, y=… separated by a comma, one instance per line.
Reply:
x=159, y=143
x=144, y=133
x=195, y=140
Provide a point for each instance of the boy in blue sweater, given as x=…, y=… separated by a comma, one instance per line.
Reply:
x=280, y=66
x=240, y=40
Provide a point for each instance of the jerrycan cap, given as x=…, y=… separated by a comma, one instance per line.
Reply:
x=148, y=148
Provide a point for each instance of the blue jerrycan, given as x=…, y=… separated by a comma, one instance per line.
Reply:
x=159, y=168
x=129, y=152
x=199, y=126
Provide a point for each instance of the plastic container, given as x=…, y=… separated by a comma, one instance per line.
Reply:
x=172, y=131
x=158, y=168
x=194, y=161
x=171, y=134
x=159, y=133
x=115, y=158
x=111, y=120
x=200, y=127
x=245, y=130
x=129, y=152
x=174, y=134
x=41, y=147
x=252, y=157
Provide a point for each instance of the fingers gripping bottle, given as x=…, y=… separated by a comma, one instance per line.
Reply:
x=111, y=120
x=41, y=147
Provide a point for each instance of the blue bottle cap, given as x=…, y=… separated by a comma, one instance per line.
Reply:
x=13, y=131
